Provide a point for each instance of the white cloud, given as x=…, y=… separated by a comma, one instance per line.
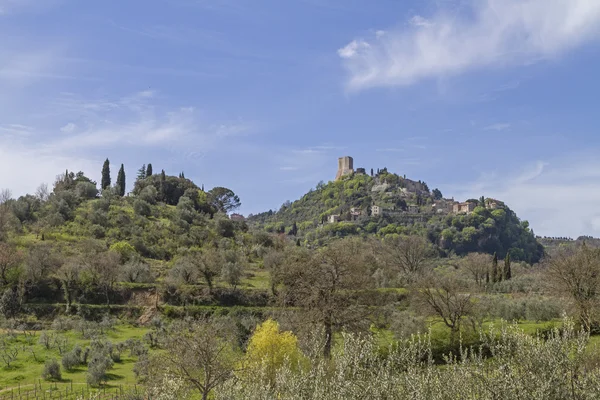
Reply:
x=494, y=33
x=558, y=198
x=68, y=128
x=353, y=48
x=498, y=127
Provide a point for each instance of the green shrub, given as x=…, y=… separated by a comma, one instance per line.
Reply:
x=51, y=370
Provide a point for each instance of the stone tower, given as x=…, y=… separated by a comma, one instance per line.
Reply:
x=345, y=167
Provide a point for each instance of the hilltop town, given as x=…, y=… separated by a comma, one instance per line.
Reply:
x=383, y=203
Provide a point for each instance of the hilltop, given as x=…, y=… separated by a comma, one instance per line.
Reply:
x=386, y=204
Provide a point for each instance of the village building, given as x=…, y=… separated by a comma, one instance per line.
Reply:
x=412, y=209
x=464, y=208
x=376, y=211
x=333, y=218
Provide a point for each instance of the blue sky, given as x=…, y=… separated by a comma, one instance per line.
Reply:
x=476, y=97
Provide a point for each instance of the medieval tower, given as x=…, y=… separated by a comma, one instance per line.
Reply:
x=345, y=167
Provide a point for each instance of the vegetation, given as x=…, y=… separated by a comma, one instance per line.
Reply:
x=408, y=208
x=161, y=290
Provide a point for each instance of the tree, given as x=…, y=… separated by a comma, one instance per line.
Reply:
x=495, y=268
x=105, y=182
x=507, y=269
x=477, y=264
x=10, y=259
x=437, y=194
x=407, y=255
x=234, y=263
x=149, y=170
x=269, y=348
x=445, y=297
x=141, y=173
x=202, y=354
x=9, y=303
x=120, y=186
x=68, y=275
x=575, y=274
x=103, y=268
x=224, y=199
x=209, y=263
x=320, y=283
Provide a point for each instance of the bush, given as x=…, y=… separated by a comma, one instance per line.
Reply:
x=51, y=370
x=71, y=360
x=97, y=368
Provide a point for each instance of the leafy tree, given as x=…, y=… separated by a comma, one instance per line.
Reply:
x=141, y=173
x=9, y=304
x=224, y=199
x=10, y=259
x=234, y=263
x=437, y=194
x=105, y=182
x=149, y=170
x=68, y=275
x=52, y=370
x=269, y=349
x=120, y=186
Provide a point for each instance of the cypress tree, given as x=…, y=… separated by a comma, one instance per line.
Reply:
x=507, y=271
x=163, y=180
x=149, y=170
x=121, y=181
x=495, y=269
x=371, y=171
x=298, y=242
x=105, y=182
x=141, y=174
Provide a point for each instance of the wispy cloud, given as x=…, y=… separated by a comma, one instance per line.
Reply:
x=500, y=126
x=494, y=34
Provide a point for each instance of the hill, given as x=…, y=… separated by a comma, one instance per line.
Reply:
x=386, y=204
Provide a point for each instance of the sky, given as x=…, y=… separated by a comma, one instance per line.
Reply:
x=476, y=97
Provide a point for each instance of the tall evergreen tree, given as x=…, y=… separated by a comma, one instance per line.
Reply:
x=141, y=174
x=149, y=170
x=507, y=270
x=121, y=181
x=371, y=171
x=105, y=182
x=495, y=269
x=163, y=180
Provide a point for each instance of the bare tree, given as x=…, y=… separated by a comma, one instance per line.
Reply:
x=575, y=273
x=42, y=192
x=10, y=258
x=203, y=354
x=5, y=211
x=478, y=265
x=446, y=297
x=408, y=255
x=321, y=283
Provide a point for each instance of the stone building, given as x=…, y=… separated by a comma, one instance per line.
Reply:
x=376, y=211
x=412, y=209
x=333, y=219
x=463, y=208
x=345, y=167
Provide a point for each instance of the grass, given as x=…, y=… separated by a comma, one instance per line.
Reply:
x=27, y=368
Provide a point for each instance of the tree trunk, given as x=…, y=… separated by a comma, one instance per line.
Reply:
x=328, y=338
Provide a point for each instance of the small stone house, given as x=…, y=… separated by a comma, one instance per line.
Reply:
x=464, y=208
x=376, y=211
x=333, y=218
